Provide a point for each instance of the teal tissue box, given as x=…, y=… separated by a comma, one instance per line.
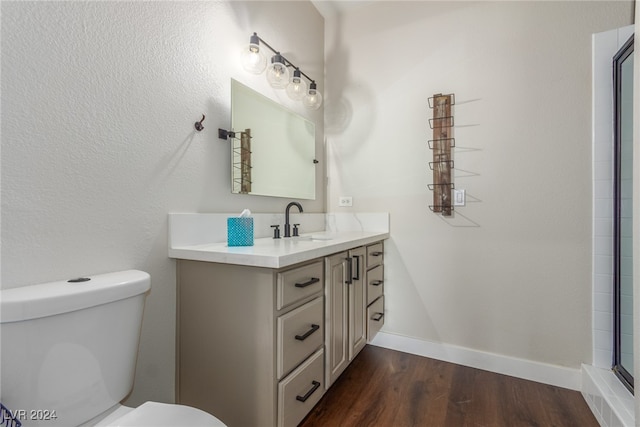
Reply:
x=240, y=231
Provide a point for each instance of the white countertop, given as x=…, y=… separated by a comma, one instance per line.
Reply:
x=203, y=237
x=277, y=253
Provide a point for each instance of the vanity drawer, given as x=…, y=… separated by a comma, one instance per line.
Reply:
x=375, y=314
x=375, y=254
x=299, y=283
x=375, y=283
x=300, y=333
x=300, y=391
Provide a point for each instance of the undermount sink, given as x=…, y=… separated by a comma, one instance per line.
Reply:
x=319, y=238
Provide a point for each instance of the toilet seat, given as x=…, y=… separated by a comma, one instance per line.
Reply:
x=154, y=414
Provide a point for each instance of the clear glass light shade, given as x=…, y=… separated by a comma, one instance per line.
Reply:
x=277, y=73
x=313, y=99
x=297, y=87
x=253, y=60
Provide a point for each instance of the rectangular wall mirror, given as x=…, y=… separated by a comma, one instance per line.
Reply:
x=278, y=159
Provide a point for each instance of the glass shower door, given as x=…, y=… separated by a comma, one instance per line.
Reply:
x=623, y=214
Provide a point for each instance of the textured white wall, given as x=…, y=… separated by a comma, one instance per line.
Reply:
x=511, y=272
x=98, y=144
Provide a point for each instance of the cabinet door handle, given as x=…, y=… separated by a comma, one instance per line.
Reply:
x=357, y=275
x=377, y=317
x=304, y=398
x=309, y=332
x=377, y=282
x=349, y=262
x=376, y=253
x=309, y=283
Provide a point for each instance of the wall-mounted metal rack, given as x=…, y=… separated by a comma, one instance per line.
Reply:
x=441, y=144
x=241, y=159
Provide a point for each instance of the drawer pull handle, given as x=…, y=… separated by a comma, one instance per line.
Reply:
x=357, y=274
x=377, y=282
x=377, y=317
x=309, y=332
x=304, y=398
x=309, y=283
x=376, y=253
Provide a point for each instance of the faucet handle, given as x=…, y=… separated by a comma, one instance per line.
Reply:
x=295, y=230
x=276, y=231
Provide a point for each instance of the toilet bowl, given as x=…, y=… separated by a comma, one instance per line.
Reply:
x=68, y=349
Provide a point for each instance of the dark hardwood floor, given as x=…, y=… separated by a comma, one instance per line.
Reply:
x=384, y=387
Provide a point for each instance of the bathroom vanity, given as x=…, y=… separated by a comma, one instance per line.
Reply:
x=263, y=331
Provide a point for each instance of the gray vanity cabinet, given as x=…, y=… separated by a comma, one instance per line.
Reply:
x=250, y=341
x=346, y=309
x=357, y=302
x=336, y=316
x=259, y=346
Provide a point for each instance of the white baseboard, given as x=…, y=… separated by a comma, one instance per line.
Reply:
x=521, y=368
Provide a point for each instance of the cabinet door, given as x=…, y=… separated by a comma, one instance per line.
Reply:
x=336, y=316
x=357, y=302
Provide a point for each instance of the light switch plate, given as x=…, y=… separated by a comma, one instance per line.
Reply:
x=459, y=198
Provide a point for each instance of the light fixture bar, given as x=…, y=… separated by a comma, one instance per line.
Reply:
x=278, y=75
x=286, y=61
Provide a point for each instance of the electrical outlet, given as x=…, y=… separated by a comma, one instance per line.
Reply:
x=345, y=201
x=459, y=198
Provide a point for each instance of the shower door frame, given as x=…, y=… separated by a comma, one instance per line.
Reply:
x=621, y=372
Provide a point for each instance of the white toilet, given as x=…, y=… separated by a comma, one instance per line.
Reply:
x=68, y=354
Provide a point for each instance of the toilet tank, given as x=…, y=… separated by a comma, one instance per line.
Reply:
x=68, y=349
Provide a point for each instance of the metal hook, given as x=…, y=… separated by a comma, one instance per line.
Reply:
x=198, y=125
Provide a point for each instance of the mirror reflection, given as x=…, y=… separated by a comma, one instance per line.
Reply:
x=274, y=150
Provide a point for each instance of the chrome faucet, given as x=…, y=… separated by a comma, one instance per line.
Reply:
x=287, y=226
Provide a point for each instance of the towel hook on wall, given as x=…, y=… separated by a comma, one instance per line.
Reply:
x=198, y=125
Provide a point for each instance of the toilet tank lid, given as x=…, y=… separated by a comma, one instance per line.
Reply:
x=48, y=299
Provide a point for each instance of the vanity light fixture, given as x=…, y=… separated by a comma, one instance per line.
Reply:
x=254, y=61
x=313, y=98
x=277, y=72
x=297, y=88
